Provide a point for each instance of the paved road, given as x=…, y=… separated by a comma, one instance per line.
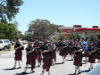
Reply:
x=6, y=63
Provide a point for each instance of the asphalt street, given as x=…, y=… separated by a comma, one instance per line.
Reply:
x=7, y=63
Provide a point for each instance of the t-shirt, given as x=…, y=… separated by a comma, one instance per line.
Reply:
x=45, y=47
x=18, y=44
x=29, y=48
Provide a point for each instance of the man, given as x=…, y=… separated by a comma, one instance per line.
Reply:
x=84, y=48
x=37, y=52
x=63, y=51
x=18, y=52
x=84, y=45
x=30, y=57
x=91, y=52
x=77, y=58
x=98, y=49
x=53, y=49
x=47, y=57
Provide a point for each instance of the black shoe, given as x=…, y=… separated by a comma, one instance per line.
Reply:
x=79, y=72
x=62, y=62
x=14, y=68
x=38, y=66
x=19, y=68
x=24, y=72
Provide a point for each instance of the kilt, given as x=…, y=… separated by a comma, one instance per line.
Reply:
x=86, y=54
x=97, y=57
x=70, y=51
x=91, y=59
x=38, y=57
x=78, y=63
x=31, y=59
x=77, y=60
x=47, y=62
x=18, y=55
x=97, y=54
x=63, y=52
x=54, y=55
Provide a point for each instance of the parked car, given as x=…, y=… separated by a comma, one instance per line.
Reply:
x=5, y=44
x=12, y=42
x=1, y=45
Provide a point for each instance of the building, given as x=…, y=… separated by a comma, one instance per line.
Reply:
x=93, y=32
x=66, y=31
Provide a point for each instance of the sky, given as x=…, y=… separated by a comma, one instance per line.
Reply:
x=60, y=12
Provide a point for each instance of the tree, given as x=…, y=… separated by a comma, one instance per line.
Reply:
x=8, y=31
x=74, y=36
x=42, y=28
x=62, y=37
x=9, y=8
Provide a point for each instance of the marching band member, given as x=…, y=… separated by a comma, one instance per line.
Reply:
x=77, y=58
x=63, y=51
x=37, y=52
x=18, y=52
x=47, y=57
x=30, y=57
x=91, y=52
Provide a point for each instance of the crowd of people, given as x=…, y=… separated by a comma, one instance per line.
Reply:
x=46, y=52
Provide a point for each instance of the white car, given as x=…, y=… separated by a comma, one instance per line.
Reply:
x=1, y=45
x=4, y=44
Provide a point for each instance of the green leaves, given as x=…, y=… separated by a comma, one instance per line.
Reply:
x=62, y=37
x=9, y=8
x=42, y=28
x=8, y=31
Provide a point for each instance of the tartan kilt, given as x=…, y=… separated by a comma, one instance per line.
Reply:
x=47, y=62
x=38, y=57
x=85, y=54
x=91, y=59
x=54, y=54
x=97, y=54
x=63, y=52
x=70, y=52
x=18, y=56
x=31, y=59
x=97, y=57
x=77, y=63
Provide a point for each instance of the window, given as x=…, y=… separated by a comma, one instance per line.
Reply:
x=1, y=41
